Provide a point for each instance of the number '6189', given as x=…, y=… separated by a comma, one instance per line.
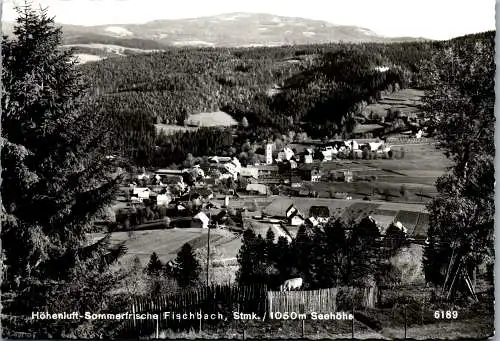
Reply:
x=445, y=315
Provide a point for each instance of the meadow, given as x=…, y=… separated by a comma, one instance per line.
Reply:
x=410, y=178
x=406, y=101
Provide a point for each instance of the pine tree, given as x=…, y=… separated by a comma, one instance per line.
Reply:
x=247, y=256
x=269, y=237
x=55, y=179
x=188, y=269
x=283, y=262
x=336, y=253
x=155, y=266
x=303, y=254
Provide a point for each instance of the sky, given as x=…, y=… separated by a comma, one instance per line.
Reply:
x=435, y=19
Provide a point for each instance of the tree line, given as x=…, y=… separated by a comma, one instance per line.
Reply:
x=340, y=254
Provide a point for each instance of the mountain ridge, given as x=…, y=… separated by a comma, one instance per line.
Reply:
x=235, y=29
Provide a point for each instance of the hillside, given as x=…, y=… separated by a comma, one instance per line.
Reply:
x=314, y=89
x=223, y=30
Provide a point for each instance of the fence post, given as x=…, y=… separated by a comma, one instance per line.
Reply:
x=133, y=313
x=158, y=328
x=405, y=322
x=200, y=320
x=422, y=312
x=352, y=321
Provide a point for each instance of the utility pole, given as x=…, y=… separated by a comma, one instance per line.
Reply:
x=208, y=246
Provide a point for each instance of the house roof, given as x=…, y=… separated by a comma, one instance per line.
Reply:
x=257, y=187
x=202, y=217
x=296, y=214
x=169, y=172
x=137, y=190
x=319, y=211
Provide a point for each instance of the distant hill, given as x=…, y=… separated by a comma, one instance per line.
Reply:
x=225, y=30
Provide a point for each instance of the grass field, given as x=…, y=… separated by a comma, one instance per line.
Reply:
x=211, y=119
x=414, y=175
x=406, y=100
x=166, y=243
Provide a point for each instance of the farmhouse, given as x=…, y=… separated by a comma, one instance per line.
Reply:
x=249, y=172
x=311, y=221
x=258, y=189
x=291, y=210
x=200, y=219
x=307, y=156
x=169, y=172
x=219, y=159
x=348, y=177
x=163, y=199
x=320, y=213
x=296, y=219
x=351, y=145
x=141, y=193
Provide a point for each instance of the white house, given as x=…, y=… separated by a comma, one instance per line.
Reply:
x=219, y=159
x=233, y=167
x=143, y=176
x=290, y=211
x=297, y=219
x=141, y=192
x=269, y=153
x=351, y=145
x=401, y=227
x=202, y=217
x=249, y=172
x=163, y=199
x=374, y=146
x=312, y=221
x=308, y=155
x=259, y=188
x=327, y=153
x=382, y=68
x=288, y=153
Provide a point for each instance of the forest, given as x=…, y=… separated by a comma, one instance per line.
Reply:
x=317, y=89
x=138, y=91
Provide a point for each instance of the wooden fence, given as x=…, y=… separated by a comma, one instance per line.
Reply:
x=304, y=301
x=322, y=300
x=409, y=140
x=215, y=299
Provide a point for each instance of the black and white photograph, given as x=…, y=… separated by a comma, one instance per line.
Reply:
x=247, y=169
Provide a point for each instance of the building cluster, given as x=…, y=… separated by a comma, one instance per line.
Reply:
x=320, y=215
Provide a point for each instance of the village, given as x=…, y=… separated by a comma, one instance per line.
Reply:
x=304, y=183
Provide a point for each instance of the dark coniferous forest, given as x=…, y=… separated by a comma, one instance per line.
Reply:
x=139, y=91
x=317, y=88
